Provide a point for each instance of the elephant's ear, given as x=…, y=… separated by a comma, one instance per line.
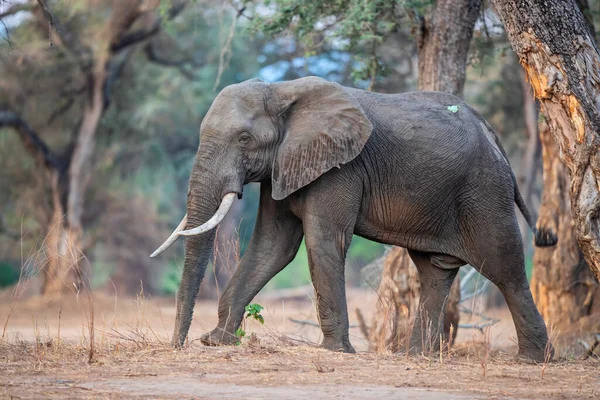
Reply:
x=323, y=126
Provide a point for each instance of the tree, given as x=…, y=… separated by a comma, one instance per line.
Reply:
x=89, y=67
x=443, y=38
x=563, y=286
x=560, y=57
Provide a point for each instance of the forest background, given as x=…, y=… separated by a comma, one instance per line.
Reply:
x=154, y=91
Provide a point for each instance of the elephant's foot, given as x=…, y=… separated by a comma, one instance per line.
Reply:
x=427, y=344
x=417, y=350
x=218, y=337
x=339, y=345
x=536, y=354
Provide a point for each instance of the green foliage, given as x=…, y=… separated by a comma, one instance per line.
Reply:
x=9, y=275
x=253, y=310
x=484, y=51
x=453, y=109
x=240, y=333
x=171, y=278
x=529, y=267
x=356, y=26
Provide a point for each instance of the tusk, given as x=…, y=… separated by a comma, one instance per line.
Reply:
x=171, y=239
x=224, y=208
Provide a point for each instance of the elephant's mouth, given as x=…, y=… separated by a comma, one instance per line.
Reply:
x=219, y=215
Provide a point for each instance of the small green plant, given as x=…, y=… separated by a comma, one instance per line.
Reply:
x=240, y=333
x=252, y=310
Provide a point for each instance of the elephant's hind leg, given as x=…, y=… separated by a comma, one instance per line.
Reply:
x=436, y=274
x=502, y=262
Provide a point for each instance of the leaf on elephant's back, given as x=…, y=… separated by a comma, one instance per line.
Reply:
x=453, y=109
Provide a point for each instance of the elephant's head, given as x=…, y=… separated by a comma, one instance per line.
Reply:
x=290, y=133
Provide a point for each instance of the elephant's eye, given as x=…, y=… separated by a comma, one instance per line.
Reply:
x=244, y=138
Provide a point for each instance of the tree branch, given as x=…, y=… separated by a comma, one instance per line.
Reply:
x=56, y=33
x=139, y=35
x=48, y=17
x=31, y=140
x=113, y=72
x=15, y=8
x=70, y=95
x=61, y=110
x=155, y=57
x=135, y=37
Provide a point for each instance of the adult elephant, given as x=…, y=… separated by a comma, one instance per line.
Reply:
x=421, y=170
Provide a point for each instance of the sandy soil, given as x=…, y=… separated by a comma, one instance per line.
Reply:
x=278, y=360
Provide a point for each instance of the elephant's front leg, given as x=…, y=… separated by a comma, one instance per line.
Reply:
x=327, y=244
x=274, y=244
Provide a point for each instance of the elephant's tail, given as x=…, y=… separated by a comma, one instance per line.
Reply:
x=543, y=236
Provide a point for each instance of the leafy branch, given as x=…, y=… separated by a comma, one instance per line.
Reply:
x=356, y=26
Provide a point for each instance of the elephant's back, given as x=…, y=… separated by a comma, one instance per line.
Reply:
x=429, y=127
x=422, y=161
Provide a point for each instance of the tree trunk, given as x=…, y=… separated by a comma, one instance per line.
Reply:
x=531, y=157
x=562, y=284
x=399, y=292
x=79, y=173
x=562, y=62
x=443, y=40
x=62, y=254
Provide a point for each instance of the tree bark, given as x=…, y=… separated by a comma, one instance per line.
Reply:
x=443, y=40
x=562, y=62
x=61, y=267
x=562, y=284
x=531, y=157
x=399, y=292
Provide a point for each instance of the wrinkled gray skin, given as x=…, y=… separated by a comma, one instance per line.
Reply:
x=332, y=161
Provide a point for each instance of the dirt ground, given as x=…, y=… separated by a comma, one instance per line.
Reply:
x=45, y=354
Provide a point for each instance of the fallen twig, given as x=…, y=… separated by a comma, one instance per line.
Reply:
x=479, y=327
x=481, y=290
x=466, y=279
x=311, y=323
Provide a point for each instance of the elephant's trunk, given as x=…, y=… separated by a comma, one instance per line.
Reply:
x=201, y=207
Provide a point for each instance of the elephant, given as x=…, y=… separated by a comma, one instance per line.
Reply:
x=421, y=170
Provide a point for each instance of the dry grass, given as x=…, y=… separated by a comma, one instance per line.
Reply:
x=46, y=354
x=40, y=369
x=85, y=345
